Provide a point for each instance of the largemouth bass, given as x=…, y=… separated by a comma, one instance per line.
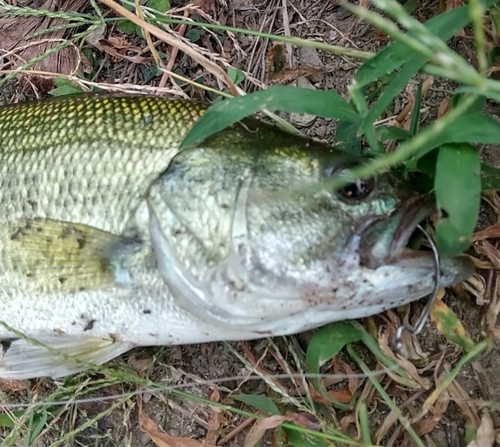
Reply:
x=111, y=237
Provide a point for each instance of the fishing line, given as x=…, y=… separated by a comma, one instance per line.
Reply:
x=398, y=342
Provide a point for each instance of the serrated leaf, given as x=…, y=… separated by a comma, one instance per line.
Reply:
x=262, y=403
x=327, y=104
x=458, y=192
x=450, y=326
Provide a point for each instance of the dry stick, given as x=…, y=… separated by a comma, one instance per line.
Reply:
x=176, y=43
x=236, y=431
x=286, y=27
x=173, y=55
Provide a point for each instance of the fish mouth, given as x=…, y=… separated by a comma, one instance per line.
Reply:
x=385, y=241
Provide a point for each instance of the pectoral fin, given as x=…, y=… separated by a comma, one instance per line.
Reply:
x=51, y=255
x=56, y=356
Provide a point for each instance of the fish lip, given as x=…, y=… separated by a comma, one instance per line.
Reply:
x=407, y=217
x=413, y=212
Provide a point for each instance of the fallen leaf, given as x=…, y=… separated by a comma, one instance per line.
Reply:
x=149, y=427
x=215, y=421
x=347, y=420
x=343, y=396
x=448, y=324
x=426, y=425
x=493, y=231
x=120, y=53
x=305, y=420
x=291, y=74
x=207, y=6
x=12, y=385
x=485, y=436
x=272, y=421
x=443, y=108
x=254, y=436
x=490, y=251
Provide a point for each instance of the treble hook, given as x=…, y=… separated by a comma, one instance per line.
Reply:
x=398, y=342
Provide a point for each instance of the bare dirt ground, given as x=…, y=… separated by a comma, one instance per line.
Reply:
x=182, y=417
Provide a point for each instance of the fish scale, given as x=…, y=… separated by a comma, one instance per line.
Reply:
x=70, y=159
x=111, y=237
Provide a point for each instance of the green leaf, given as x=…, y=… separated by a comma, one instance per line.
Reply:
x=38, y=422
x=7, y=421
x=346, y=135
x=387, y=132
x=236, y=75
x=325, y=345
x=328, y=342
x=469, y=128
x=128, y=27
x=327, y=104
x=159, y=5
x=193, y=35
x=396, y=54
x=262, y=403
x=415, y=115
x=65, y=87
x=448, y=324
x=299, y=439
x=458, y=192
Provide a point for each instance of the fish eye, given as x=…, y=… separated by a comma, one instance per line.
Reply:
x=355, y=190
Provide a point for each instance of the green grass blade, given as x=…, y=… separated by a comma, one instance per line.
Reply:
x=327, y=104
x=396, y=54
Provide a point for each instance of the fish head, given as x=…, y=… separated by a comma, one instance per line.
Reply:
x=249, y=233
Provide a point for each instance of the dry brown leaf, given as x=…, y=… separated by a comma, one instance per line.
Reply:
x=13, y=385
x=490, y=251
x=495, y=333
x=305, y=420
x=347, y=420
x=493, y=231
x=385, y=345
x=463, y=401
x=343, y=396
x=494, y=306
x=444, y=106
x=254, y=436
x=257, y=432
x=120, y=53
x=272, y=421
x=215, y=421
x=149, y=427
x=291, y=74
x=207, y=6
x=485, y=433
x=426, y=426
